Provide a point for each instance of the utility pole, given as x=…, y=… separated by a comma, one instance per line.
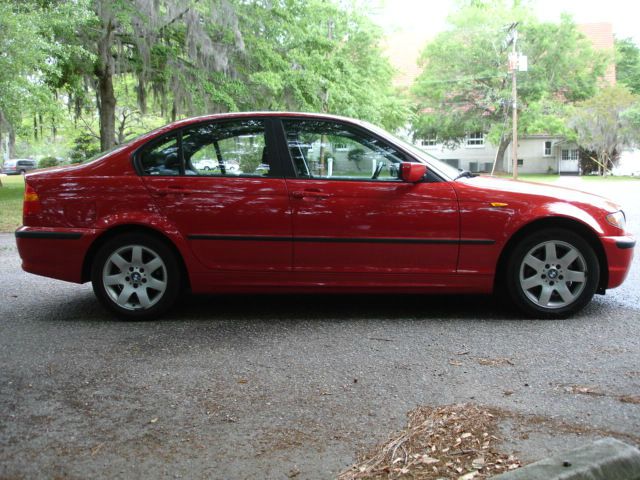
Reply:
x=513, y=64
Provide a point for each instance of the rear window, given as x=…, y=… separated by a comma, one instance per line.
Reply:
x=26, y=163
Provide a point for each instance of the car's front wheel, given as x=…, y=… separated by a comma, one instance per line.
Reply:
x=136, y=276
x=552, y=273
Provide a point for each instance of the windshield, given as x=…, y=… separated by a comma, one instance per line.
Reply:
x=441, y=167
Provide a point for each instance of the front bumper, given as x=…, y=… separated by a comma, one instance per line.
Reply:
x=619, y=252
x=54, y=252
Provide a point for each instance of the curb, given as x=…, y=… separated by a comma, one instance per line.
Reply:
x=606, y=459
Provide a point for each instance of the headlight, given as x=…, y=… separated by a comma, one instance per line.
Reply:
x=617, y=219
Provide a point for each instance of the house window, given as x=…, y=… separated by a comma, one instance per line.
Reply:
x=475, y=139
x=520, y=162
x=547, y=148
x=454, y=162
x=429, y=142
x=572, y=154
x=340, y=147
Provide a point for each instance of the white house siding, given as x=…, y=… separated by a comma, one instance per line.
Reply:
x=629, y=163
x=465, y=157
x=530, y=152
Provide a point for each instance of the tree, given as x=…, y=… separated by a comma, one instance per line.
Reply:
x=115, y=68
x=332, y=64
x=628, y=64
x=22, y=50
x=172, y=48
x=465, y=86
x=606, y=123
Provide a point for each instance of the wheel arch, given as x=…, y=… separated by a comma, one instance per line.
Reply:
x=573, y=225
x=132, y=228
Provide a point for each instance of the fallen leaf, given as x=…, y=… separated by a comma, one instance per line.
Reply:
x=426, y=459
x=96, y=449
x=243, y=380
x=294, y=472
x=630, y=399
x=465, y=435
x=455, y=363
x=468, y=476
x=585, y=390
x=153, y=420
x=495, y=362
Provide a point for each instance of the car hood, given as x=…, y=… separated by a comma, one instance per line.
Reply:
x=542, y=191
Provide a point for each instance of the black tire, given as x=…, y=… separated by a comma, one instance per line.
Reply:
x=552, y=273
x=149, y=292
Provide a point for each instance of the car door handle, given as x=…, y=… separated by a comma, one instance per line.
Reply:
x=171, y=189
x=299, y=195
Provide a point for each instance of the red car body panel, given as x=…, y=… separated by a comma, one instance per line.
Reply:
x=417, y=226
x=240, y=234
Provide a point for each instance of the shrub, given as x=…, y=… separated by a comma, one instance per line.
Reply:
x=84, y=146
x=47, y=162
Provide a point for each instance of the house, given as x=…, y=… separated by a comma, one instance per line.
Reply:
x=540, y=153
x=536, y=154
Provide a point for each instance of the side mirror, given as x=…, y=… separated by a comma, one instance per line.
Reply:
x=412, y=172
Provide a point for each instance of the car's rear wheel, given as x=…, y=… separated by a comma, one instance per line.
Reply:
x=136, y=276
x=552, y=273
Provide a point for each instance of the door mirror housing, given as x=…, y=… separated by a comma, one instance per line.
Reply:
x=412, y=172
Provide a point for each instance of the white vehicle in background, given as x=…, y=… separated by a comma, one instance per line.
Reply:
x=19, y=166
x=210, y=165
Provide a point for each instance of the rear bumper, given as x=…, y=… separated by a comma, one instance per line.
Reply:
x=54, y=252
x=619, y=251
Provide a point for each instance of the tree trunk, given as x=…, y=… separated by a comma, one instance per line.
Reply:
x=12, y=141
x=107, y=112
x=502, y=149
x=104, y=70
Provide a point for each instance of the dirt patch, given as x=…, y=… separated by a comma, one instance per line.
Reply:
x=453, y=442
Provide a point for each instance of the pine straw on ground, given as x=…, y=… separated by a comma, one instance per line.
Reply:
x=449, y=442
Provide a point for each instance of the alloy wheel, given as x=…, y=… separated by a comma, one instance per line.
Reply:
x=135, y=277
x=553, y=274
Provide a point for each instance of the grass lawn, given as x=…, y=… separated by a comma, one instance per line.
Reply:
x=11, y=202
x=609, y=178
x=554, y=177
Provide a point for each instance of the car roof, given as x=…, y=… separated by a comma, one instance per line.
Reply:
x=281, y=114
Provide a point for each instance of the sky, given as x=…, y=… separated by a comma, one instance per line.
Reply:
x=430, y=15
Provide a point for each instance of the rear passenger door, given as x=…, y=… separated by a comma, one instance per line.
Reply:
x=219, y=183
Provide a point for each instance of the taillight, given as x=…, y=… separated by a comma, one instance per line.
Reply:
x=31, y=204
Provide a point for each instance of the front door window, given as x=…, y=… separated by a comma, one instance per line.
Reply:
x=321, y=149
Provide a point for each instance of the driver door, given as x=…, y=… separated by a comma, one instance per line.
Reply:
x=353, y=214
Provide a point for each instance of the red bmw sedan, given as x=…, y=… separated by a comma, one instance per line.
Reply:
x=289, y=202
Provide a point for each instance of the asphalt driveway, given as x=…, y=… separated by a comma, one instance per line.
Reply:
x=295, y=386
